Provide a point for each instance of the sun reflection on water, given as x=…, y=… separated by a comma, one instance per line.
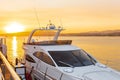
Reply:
x=14, y=46
x=14, y=50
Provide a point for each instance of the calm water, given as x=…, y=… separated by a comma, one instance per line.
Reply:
x=104, y=49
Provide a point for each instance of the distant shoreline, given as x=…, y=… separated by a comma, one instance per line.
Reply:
x=60, y=35
x=93, y=33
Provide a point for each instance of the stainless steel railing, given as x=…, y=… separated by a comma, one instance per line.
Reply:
x=9, y=67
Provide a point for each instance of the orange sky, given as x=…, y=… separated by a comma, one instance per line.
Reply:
x=75, y=15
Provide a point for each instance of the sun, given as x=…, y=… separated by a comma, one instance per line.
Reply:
x=14, y=27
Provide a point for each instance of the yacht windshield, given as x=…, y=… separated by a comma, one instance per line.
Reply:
x=74, y=58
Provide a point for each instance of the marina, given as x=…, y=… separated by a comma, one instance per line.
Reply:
x=52, y=60
x=82, y=44
x=7, y=71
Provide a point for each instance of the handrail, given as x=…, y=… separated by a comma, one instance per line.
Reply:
x=55, y=37
x=9, y=67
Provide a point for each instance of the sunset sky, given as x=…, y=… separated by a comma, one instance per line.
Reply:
x=74, y=15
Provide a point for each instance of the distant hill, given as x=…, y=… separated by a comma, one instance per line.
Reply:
x=93, y=33
x=96, y=33
x=16, y=34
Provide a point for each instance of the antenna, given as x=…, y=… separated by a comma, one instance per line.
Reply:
x=61, y=23
x=37, y=16
x=50, y=22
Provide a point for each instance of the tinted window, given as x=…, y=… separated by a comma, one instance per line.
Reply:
x=47, y=59
x=39, y=55
x=29, y=58
x=71, y=58
x=44, y=57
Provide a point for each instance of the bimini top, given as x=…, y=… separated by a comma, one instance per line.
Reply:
x=51, y=42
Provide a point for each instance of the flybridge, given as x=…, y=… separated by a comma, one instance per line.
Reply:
x=52, y=42
x=55, y=37
x=48, y=27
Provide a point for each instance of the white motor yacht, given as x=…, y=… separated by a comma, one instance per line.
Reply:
x=59, y=60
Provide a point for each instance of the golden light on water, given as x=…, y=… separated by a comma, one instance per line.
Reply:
x=14, y=46
x=14, y=27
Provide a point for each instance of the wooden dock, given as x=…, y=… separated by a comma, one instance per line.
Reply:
x=7, y=71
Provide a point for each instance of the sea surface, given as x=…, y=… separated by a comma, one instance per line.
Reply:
x=105, y=49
